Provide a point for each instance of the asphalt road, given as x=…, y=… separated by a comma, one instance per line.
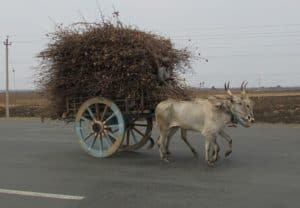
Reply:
x=263, y=170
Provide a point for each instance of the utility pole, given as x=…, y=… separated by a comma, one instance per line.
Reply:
x=7, y=43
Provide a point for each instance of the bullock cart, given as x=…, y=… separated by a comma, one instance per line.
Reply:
x=104, y=125
x=120, y=64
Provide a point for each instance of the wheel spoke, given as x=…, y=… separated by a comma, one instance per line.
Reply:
x=94, y=141
x=97, y=111
x=101, y=143
x=139, y=132
x=110, y=128
x=110, y=117
x=127, y=136
x=111, y=137
x=91, y=113
x=88, y=136
x=103, y=113
x=133, y=136
x=112, y=131
x=107, y=140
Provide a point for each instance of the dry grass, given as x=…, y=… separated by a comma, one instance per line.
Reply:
x=23, y=98
x=270, y=105
x=250, y=92
x=23, y=103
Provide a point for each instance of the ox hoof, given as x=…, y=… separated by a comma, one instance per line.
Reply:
x=210, y=164
x=227, y=153
x=166, y=160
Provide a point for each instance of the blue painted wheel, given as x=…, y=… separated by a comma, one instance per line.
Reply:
x=100, y=127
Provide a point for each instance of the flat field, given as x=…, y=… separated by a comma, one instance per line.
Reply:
x=271, y=105
x=23, y=103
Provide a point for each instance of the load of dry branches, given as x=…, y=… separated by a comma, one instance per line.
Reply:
x=111, y=60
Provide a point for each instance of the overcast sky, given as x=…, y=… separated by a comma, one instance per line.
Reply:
x=255, y=40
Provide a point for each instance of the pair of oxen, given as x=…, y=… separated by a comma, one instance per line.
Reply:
x=208, y=116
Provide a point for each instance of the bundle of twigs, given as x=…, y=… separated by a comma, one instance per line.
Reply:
x=108, y=59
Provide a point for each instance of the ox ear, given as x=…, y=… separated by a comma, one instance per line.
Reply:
x=223, y=105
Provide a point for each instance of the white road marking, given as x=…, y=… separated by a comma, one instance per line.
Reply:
x=38, y=194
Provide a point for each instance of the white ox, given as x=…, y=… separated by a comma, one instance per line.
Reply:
x=207, y=116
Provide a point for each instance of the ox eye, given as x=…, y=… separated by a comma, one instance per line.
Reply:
x=240, y=103
x=248, y=106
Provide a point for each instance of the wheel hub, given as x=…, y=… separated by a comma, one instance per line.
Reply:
x=97, y=127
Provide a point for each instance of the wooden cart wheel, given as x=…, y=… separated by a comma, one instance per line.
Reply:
x=100, y=127
x=137, y=133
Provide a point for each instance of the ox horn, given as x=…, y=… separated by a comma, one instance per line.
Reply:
x=243, y=87
x=226, y=86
